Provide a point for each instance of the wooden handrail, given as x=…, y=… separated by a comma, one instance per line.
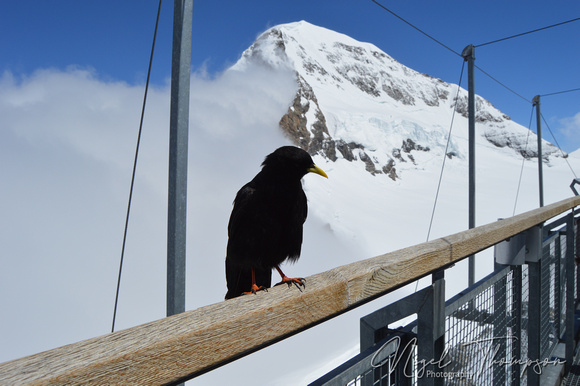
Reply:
x=185, y=345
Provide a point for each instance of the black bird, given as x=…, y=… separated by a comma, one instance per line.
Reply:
x=265, y=226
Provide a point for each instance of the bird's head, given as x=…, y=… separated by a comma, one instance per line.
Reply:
x=292, y=161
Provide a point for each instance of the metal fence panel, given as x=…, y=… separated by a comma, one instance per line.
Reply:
x=486, y=339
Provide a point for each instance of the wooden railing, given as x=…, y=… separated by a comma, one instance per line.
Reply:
x=186, y=345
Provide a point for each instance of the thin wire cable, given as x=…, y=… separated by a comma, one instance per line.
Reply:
x=560, y=92
x=444, y=159
x=480, y=45
x=503, y=85
x=557, y=144
x=526, y=33
x=523, y=161
x=135, y=167
x=445, y=153
x=418, y=29
x=450, y=49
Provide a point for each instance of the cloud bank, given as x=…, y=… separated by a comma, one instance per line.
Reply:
x=67, y=146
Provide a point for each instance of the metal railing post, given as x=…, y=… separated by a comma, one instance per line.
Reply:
x=431, y=332
x=570, y=299
x=517, y=323
x=577, y=253
x=534, y=261
x=546, y=284
x=500, y=328
x=558, y=285
x=534, y=316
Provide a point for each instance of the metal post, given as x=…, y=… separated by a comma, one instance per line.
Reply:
x=558, y=284
x=534, y=260
x=534, y=317
x=469, y=55
x=536, y=101
x=577, y=251
x=431, y=332
x=374, y=328
x=516, y=324
x=570, y=300
x=178, y=137
x=500, y=332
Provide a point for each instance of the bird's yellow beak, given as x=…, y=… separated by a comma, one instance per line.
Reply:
x=317, y=170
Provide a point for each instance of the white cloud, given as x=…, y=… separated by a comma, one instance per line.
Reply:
x=67, y=141
x=571, y=130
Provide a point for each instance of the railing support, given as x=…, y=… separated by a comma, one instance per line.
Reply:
x=570, y=301
x=534, y=316
x=500, y=333
x=534, y=261
x=517, y=321
x=577, y=255
x=558, y=284
x=431, y=332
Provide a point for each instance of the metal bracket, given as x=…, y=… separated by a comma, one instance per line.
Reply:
x=572, y=185
x=468, y=52
x=520, y=248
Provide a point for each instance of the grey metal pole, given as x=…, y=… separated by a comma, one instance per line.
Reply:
x=536, y=101
x=469, y=55
x=431, y=329
x=534, y=317
x=178, y=137
x=570, y=300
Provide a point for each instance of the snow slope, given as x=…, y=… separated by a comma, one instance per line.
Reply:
x=380, y=130
x=353, y=96
x=357, y=109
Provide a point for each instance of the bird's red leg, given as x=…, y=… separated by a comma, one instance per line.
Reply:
x=297, y=281
x=254, y=287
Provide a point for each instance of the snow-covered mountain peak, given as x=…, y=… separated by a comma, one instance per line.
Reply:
x=355, y=102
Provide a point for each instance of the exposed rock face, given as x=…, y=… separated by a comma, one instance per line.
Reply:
x=355, y=102
x=294, y=123
x=317, y=140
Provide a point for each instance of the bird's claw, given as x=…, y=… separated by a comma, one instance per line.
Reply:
x=255, y=289
x=297, y=281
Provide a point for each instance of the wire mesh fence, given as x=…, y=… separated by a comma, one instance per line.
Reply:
x=481, y=329
x=501, y=331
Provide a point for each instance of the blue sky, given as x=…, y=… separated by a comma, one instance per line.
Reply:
x=114, y=38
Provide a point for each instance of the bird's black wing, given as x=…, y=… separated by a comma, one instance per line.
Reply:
x=242, y=245
x=294, y=232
